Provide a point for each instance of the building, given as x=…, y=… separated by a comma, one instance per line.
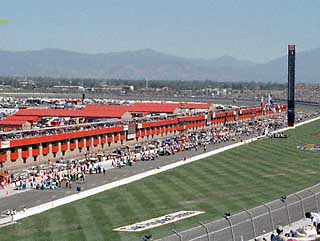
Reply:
x=10, y=125
x=35, y=146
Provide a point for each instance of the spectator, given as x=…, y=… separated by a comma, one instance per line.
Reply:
x=280, y=235
x=315, y=218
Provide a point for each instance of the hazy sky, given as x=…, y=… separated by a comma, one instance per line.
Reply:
x=250, y=29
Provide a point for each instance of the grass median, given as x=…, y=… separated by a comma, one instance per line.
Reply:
x=243, y=177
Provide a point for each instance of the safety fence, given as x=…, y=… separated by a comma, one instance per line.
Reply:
x=255, y=222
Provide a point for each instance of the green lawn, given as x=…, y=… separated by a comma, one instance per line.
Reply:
x=240, y=178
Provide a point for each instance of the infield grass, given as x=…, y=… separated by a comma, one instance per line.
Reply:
x=243, y=177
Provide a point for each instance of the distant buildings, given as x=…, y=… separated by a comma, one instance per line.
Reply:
x=64, y=88
x=232, y=90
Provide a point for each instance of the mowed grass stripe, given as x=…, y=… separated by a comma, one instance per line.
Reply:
x=278, y=169
x=73, y=220
x=102, y=221
x=142, y=205
x=177, y=186
x=66, y=216
x=240, y=178
x=239, y=172
x=38, y=228
x=126, y=212
x=167, y=196
x=203, y=194
x=195, y=180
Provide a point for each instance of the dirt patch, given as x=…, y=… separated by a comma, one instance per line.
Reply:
x=316, y=134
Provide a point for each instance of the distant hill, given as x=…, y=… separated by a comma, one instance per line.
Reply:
x=151, y=64
x=307, y=68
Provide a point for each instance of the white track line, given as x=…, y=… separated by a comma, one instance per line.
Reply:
x=90, y=192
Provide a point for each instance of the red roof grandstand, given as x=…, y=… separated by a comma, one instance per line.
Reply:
x=136, y=108
x=115, y=113
x=13, y=122
x=101, y=111
x=106, y=107
x=195, y=106
x=30, y=119
x=149, y=107
x=46, y=112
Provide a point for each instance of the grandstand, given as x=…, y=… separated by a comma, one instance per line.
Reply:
x=106, y=126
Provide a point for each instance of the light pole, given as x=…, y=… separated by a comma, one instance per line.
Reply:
x=227, y=217
x=284, y=200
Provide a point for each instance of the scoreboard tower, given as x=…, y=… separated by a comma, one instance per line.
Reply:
x=291, y=83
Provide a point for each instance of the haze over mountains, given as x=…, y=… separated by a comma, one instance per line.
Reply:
x=151, y=64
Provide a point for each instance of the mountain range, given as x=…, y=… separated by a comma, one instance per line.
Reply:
x=151, y=64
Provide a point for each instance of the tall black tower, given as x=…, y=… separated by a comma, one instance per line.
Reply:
x=291, y=83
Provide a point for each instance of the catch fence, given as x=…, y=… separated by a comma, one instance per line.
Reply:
x=255, y=222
